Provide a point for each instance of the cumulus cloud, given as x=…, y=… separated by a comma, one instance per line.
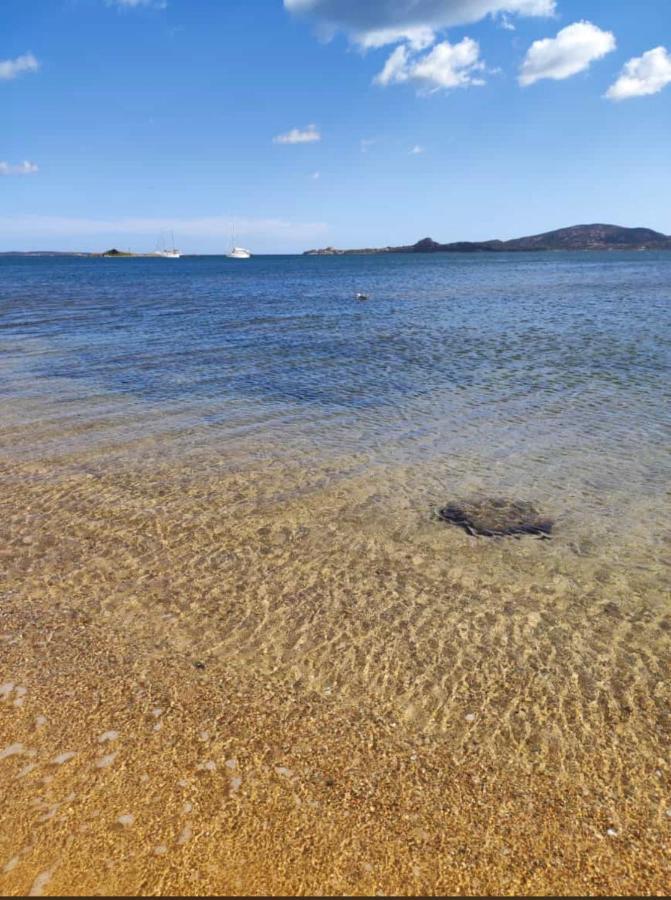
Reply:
x=571, y=51
x=374, y=23
x=307, y=135
x=24, y=168
x=643, y=75
x=12, y=68
x=445, y=66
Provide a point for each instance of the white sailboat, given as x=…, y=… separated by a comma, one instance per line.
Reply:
x=168, y=253
x=238, y=252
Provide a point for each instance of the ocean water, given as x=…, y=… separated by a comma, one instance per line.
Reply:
x=238, y=464
x=536, y=375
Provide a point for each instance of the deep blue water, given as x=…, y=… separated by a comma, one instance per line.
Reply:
x=288, y=329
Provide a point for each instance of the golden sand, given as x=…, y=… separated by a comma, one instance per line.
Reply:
x=229, y=673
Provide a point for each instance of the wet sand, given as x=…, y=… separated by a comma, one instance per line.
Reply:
x=232, y=672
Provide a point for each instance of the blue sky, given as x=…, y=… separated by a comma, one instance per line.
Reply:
x=343, y=122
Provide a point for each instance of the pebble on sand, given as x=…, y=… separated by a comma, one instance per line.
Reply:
x=126, y=820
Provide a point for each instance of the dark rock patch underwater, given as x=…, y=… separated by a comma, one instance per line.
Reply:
x=497, y=517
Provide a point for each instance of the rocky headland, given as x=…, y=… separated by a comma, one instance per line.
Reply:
x=577, y=237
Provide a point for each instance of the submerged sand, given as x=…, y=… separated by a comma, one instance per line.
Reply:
x=238, y=670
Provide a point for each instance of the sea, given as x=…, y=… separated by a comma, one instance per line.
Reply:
x=232, y=471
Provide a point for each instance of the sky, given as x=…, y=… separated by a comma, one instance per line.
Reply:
x=307, y=123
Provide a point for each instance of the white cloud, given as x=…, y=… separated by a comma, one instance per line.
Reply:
x=24, y=168
x=315, y=176
x=643, y=75
x=416, y=150
x=445, y=66
x=570, y=52
x=373, y=23
x=307, y=135
x=395, y=69
x=419, y=37
x=129, y=4
x=12, y=68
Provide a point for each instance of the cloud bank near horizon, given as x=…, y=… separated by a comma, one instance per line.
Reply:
x=204, y=231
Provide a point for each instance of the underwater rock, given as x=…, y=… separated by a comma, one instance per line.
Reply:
x=497, y=517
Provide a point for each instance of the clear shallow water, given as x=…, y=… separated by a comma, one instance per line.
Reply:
x=238, y=464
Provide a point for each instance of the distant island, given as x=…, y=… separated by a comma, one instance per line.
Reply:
x=114, y=252
x=577, y=237
x=126, y=254
x=107, y=254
